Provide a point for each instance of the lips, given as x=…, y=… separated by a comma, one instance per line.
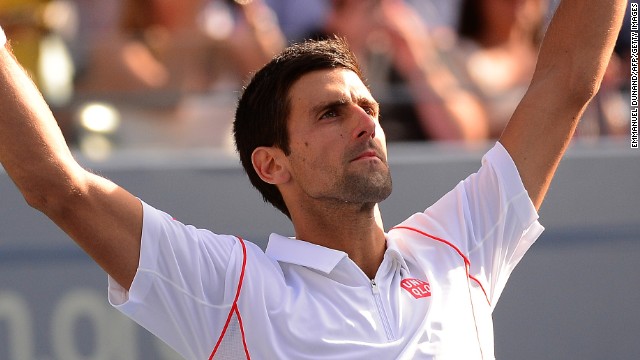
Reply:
x=368, y=153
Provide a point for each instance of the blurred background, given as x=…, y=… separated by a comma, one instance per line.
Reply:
x=145, y=93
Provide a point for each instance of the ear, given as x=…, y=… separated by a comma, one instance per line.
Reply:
x=268, y=163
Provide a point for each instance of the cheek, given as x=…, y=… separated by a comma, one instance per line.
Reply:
x=301, y=157
x=311, y=161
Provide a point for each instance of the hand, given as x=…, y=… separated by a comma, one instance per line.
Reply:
x=256, y=38
x=408, y=34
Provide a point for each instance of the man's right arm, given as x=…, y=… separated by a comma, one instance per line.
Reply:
x=102, y=218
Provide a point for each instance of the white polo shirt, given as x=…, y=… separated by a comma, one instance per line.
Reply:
x=217, y=296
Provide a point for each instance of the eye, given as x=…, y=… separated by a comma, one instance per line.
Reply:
x=331, y=113
x=369, y=110
x=369, y=106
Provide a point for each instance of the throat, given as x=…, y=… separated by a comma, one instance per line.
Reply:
x=353, y=228
x=362, y=238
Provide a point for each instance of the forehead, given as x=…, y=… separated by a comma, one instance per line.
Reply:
x=323, y=86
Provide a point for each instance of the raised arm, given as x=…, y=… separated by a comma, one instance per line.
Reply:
x=105, y=220
x=572, y=61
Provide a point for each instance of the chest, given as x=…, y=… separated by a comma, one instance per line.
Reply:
x=417, y=311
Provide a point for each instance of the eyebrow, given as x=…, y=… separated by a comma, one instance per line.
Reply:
x=317, y=109
x=370, y=102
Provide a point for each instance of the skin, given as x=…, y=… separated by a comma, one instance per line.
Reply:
x=566, y=78
x=337, y=170
x=106, y=221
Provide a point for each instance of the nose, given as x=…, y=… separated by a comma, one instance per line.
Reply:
x=366, y=125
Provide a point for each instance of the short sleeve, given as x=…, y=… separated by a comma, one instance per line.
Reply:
x=185, y=283
x=503, y=218
x=489, y=217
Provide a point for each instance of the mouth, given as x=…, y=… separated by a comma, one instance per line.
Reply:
x=369, y=154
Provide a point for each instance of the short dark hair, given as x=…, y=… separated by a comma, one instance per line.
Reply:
x=264, y=105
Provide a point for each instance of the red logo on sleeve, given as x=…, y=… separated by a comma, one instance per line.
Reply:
x=417, y=288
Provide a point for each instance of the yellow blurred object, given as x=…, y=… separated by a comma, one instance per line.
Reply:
x=21, y=20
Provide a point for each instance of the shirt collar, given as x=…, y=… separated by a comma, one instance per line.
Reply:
x=394, y=252
x=303, y=253
x=299, y=252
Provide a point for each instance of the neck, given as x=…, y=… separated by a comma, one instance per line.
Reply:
x=355, y=229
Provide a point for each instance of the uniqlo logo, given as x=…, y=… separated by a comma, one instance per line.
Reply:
x=417, y=288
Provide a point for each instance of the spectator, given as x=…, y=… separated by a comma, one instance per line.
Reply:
x=421, y=99
x=299, y=17
x=163, y=64
x=181, y=45
x=496, y=55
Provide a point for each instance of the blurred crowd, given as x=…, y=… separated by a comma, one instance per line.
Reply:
x=167, y=73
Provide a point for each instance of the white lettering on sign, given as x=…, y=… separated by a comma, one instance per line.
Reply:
x=114, y=335
x=416, y=287
x=16, y=314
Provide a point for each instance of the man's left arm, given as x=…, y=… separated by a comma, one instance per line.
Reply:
x=572, y=61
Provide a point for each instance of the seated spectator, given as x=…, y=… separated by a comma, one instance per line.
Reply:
x=163, y=65
x=181, y=46
x=495, y=57
x=421, y=99
x=496, y=53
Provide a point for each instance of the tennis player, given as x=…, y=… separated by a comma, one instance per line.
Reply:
x=309, y=137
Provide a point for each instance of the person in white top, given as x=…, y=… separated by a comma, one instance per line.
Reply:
x=308, y=135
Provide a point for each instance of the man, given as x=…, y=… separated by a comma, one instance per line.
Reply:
x=308, y=135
